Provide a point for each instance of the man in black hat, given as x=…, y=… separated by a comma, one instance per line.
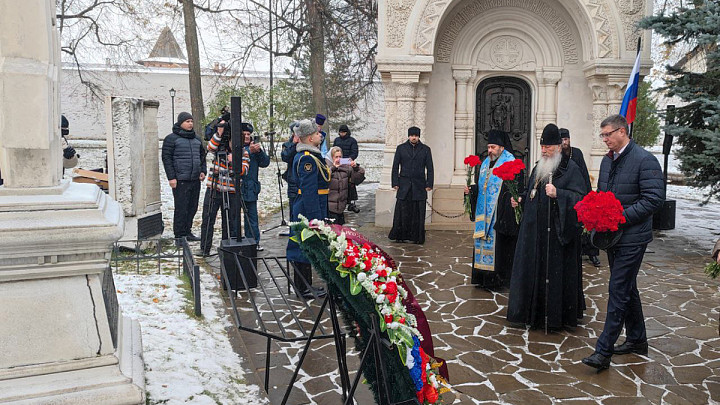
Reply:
x=183, y=158
x=576, y=155
x=544, y=286
x=349, y=147
x=250, y=186
x=320, y=121
x=412, y=178
x=496, y=229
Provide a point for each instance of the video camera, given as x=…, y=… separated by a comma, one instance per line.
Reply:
x=211, y=128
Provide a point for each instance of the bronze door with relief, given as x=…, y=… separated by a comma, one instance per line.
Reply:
x=504, y=103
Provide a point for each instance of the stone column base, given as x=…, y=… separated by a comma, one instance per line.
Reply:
x=117, y=379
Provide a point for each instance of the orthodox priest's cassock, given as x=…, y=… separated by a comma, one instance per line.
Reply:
x=495, y=231
x=530, y=294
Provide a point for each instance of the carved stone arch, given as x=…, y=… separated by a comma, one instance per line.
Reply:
x=486, y=30
x=585, y=18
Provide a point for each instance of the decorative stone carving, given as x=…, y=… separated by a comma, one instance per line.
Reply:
x=555, y=21
x=599, y=113
x=506, y=52
x=427, y=26
x=398, y=13
x=606, y=39
x=405, y=93
x=462, y=75
x=390, y=111
x=630, y=14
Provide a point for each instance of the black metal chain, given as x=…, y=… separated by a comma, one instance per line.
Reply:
x=444, y=215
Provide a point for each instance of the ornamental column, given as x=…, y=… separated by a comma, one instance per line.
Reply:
x=405, y=97
x=548, y=78
x=59, y=343
x=600, y=111
x=463, y=122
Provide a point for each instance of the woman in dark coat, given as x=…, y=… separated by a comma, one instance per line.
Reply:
x=342, y=177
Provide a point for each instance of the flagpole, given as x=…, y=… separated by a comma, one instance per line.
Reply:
x=638, y=53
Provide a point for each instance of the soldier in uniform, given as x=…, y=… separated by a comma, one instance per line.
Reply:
x=313, y=181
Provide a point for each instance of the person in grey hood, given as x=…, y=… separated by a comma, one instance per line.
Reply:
x=183, y=157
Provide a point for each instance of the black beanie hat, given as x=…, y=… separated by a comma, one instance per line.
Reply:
x=246, y=126
x=64, y=125
x=343, y=128
x=564, y=133
x=414, y=131
x=183, y=116
x=496, y=137
x=550, y=135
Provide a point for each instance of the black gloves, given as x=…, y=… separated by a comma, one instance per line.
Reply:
x=69, y=152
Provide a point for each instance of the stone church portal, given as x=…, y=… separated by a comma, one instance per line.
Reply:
x=456, y=68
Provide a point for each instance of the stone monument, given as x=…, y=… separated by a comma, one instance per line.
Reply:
x=58, y=344
x=133, y=164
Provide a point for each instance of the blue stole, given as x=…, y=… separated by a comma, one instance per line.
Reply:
x=489, y=187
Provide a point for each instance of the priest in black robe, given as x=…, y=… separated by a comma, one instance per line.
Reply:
x=545, y=286
x=587, y=249
x=412, y=177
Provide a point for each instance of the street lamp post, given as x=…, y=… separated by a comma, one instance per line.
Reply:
x=172, y=103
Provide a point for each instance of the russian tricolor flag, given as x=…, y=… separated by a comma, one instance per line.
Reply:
x=629, y=103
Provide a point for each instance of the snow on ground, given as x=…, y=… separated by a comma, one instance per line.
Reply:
x=187, y=359
x=696, y=222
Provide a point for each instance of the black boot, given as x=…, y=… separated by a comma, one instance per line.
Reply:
x=597, y=361
x=594, y=260
x=305, y=287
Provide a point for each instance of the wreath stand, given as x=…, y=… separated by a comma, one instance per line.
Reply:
x=272, y=282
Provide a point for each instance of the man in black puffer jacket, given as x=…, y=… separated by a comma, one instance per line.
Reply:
x=634, y=176
x=183, y=157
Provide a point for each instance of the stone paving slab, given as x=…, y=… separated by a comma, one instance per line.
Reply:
x=492, y=362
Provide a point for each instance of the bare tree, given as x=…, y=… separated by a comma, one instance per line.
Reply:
x=195, y=77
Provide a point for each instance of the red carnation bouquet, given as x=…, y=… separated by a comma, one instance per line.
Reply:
x=470, y=163
x=600, y=211
x=508, y=171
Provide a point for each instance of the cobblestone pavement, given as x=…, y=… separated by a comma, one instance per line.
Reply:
x=491, y=362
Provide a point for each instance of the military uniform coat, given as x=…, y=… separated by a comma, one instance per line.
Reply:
x=313, y=180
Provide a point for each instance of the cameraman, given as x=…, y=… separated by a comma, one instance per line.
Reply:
x=250, y=186
x=220, y=183
x=288, y=155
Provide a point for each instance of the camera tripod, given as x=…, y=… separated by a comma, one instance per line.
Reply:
x=273, y=155
x=221, y=158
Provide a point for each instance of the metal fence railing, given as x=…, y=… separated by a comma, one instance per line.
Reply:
x=111, y=303
x=192, y=271
x=151, y=256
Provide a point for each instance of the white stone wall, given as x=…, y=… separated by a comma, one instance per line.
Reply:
x=86, y=114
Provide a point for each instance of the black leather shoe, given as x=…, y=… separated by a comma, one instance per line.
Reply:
x=597, y=361
x=192, y=238
x=594, y=260
x=630, y=347
x=308, y=293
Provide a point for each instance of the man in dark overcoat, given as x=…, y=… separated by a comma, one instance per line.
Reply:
x=634, y=176
x=412, y=177
x=544, y=286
